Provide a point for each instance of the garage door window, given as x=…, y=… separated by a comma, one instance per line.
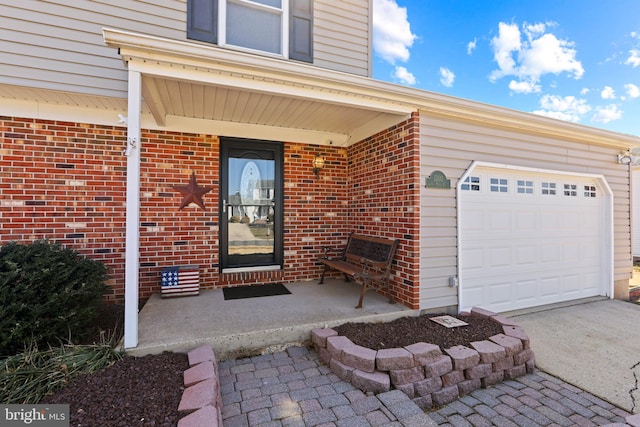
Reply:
x=472, y=183
x=548, y=188
x=499, y=185
x=589, y=191
x=525, y=187
x=571, y=190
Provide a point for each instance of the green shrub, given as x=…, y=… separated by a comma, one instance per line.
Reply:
x=48, y=293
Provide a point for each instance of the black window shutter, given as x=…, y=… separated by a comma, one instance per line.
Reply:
x=202, y=21
x=301, y=30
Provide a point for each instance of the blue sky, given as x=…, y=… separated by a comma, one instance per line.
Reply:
x=573, y=60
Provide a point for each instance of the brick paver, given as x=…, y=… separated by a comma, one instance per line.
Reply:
x=533, y=400
x=294, y=388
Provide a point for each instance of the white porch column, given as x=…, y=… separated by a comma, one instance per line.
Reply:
x=132, y=266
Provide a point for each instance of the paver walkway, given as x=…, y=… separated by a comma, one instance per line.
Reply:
x=533, y=400
x=292, y=388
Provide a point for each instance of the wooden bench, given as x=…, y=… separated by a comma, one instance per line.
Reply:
x=365, y=260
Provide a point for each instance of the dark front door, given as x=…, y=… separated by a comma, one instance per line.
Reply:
x=251, y=218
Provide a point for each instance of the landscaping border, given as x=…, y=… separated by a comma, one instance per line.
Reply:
x=422, y=371
x=201, y=401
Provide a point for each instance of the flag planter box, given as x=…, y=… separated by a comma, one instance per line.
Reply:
x=179, y=281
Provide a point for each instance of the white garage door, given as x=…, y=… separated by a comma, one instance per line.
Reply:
x=531, y=237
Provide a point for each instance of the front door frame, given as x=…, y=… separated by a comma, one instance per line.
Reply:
x=228, y=144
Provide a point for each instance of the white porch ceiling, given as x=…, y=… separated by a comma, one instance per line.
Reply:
x=311, y=121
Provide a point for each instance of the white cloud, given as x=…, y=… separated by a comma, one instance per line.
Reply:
x=606, y=114
x=568, y=108
x=608, y=93
x=471, y=46
x=584, y=91
x=530, y=57
x=524, y=87
x=634, y=58
x=507, y=41
x=632, y=90
x=404, y=76
x=534, y=30
x=446, y=77
x=392, y=36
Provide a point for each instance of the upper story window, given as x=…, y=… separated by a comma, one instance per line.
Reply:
x=257, y=25
x=278, y=27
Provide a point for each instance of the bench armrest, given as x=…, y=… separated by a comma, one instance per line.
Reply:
x=328, y=249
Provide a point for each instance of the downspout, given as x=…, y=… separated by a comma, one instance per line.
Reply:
x=132, y=152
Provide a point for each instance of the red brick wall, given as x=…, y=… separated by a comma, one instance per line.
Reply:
x=66, y=182
x=385, y=197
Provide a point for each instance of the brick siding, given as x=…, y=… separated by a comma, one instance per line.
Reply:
x=66, y=182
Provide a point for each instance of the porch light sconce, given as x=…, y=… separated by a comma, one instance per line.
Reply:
x=318, y=164
x=624, y=158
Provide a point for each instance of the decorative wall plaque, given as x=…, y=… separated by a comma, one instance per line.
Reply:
x=438, y=180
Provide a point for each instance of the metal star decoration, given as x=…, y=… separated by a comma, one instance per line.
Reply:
x=192, y=193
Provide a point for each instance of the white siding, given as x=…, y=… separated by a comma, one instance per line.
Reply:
x=58, y=45
x=341, y=35
x=450, y=146
x=635, y=198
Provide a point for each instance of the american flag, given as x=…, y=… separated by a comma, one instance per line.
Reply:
x=180, y=281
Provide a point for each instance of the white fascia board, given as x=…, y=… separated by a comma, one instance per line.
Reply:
x=243, y=81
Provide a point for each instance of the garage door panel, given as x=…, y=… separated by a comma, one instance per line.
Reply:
x=499, y=257
x=499, y=222
x=520, y=250
x=526, y=256
x=499, y=294
x=526, y=291
x=525, y=221
x=548, y=286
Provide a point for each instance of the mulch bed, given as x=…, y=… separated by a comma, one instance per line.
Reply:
x=146, y=391
x=142, y=391
x=409, y=330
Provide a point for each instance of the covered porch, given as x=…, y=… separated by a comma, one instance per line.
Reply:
x=212, y=93
x=241, y=327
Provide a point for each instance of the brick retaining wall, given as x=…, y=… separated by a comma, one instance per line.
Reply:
x=422, y=371
x=201, y=402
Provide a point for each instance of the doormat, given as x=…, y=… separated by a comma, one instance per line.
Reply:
x=265, y=290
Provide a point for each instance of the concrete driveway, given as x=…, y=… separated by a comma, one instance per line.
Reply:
x=594, y=345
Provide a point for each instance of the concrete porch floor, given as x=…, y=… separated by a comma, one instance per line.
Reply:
x=237, y=328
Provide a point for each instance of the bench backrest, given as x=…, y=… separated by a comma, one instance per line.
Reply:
x=377, y=249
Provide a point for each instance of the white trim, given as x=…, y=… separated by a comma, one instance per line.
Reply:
x=608, y=215
x=251, y=269
x=132, y=249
